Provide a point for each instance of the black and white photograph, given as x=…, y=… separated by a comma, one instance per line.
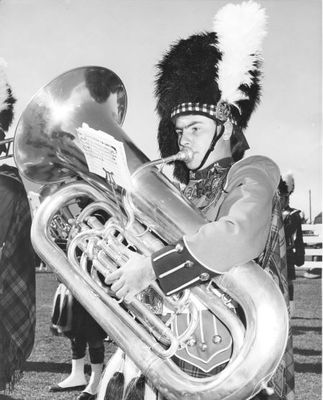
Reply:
x=160, y=200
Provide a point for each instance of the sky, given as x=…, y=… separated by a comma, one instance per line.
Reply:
x=41, y=39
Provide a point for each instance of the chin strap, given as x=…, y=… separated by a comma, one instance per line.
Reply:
x=212, y=145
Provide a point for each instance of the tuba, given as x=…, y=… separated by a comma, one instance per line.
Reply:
x=142, y=218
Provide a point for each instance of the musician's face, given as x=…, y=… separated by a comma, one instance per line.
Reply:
x=195, y=132
x=284, y=201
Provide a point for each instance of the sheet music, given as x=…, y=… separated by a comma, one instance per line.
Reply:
x=104, y=153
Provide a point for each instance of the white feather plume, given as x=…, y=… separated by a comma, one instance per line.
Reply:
x=3, y=85
x=240, y=29
x=288, y=178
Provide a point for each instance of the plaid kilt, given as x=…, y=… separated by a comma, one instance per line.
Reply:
x=196, y=372
x=274, y=261
x=17, y=291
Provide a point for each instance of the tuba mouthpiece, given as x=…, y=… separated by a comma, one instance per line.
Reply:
x=184, y=155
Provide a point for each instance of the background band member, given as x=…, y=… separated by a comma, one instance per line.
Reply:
x=17, y=260
x=295, y=249
x=207, y=87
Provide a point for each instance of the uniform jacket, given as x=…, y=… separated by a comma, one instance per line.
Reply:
x=294, y=240
x=239, y=212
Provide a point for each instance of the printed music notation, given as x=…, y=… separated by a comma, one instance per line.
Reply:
x=105, y=155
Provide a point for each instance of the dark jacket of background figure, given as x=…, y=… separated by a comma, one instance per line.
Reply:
x=17, y=277
x=294, y=240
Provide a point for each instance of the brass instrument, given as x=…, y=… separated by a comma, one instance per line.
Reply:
x=142, y=219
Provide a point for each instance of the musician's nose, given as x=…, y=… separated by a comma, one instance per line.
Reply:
x=185, y=138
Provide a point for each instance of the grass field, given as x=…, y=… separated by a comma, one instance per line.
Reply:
x=49, y=362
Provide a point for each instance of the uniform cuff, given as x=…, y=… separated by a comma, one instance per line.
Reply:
x=176, y=269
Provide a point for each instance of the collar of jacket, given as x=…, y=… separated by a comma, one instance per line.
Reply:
x=217, y=167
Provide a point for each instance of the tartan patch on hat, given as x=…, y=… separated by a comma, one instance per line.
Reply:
x=200, y=108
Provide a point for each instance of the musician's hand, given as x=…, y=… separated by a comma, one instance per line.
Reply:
x=130, y=279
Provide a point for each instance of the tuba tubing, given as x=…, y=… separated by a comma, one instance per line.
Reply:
x=259, y=296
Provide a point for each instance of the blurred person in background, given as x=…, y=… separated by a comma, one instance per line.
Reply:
x=293, y=232
x=71, y=320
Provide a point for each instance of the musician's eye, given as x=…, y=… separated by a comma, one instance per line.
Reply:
x=179, y=132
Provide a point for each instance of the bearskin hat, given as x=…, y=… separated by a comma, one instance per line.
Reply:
x=7, y=102
x=216, y=74
x=287, y=184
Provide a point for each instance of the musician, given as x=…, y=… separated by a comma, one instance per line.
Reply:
x=17, y=260
x=293, y=232
x=205, y=109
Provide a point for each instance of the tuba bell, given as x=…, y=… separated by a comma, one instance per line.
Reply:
x=143, y=218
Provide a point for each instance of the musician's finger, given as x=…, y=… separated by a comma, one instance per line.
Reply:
x=112, y=277
x=118, y=284
x=122, y=292
x=129, y=297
